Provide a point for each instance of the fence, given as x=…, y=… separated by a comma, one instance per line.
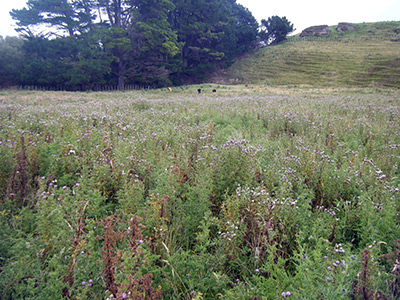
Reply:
x=338, y=38
x=96, y=88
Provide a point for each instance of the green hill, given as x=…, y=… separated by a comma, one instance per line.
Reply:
x=367, y=56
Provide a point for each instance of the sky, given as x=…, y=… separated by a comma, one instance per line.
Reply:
x=301, y=13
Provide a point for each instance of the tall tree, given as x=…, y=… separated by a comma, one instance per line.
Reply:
x=142, y=41
x=71, y=63
x=200, y=26
x=213, y=31
x=154, y=42
x=59, y=16
x=245, y=28
x=77, y=18
x=11, y=60
x=117, y=14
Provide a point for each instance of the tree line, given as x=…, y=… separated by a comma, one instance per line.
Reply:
x=81, y=44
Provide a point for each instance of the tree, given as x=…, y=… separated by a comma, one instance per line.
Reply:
x=240, y=35
x=61, y=16
x=72, y=63
x=212, y=31
x=275, y=29
x=154, y=43
x=76, y=18
x=11, y=60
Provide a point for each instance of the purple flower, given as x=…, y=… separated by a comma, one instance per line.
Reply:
x=288, y=294
x=90, y=281
x=140, y=241
x=257, y=270
x=329, y=268
x=123, y=295
x=83, y=282
x=283, y=294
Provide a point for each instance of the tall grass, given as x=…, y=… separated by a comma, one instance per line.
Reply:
x=251, y=194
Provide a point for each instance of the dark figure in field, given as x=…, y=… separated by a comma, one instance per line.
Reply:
x=199, y=91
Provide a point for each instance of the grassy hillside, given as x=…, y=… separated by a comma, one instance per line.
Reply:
x=368, y=56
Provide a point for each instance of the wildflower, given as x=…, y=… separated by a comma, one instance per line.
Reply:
x=123, y=295
x=329, y=268
x=83, y=282
x=257, y=270
x=286, y=294
x=140, y=241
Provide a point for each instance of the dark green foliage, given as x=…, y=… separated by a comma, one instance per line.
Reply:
x=154, y=43
x=275, y=29
x=68, y=16
x=11, y=60
x=72, y=63
x=149, y=43
x=213, y=32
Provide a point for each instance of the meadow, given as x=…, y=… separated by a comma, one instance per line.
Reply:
x=247, y=193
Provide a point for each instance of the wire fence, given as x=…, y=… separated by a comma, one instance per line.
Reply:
x=338, y=38
x=83, y=88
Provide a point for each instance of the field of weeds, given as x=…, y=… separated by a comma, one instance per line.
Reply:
x=227, y=195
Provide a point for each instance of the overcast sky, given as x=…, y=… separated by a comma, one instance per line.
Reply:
x=302, y=13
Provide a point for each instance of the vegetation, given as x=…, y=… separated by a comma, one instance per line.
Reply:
x=365, y=57
x=275, y=29
x=246, y=193
x=78, y=45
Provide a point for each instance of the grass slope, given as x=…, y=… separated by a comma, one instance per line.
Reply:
x=368, y=56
